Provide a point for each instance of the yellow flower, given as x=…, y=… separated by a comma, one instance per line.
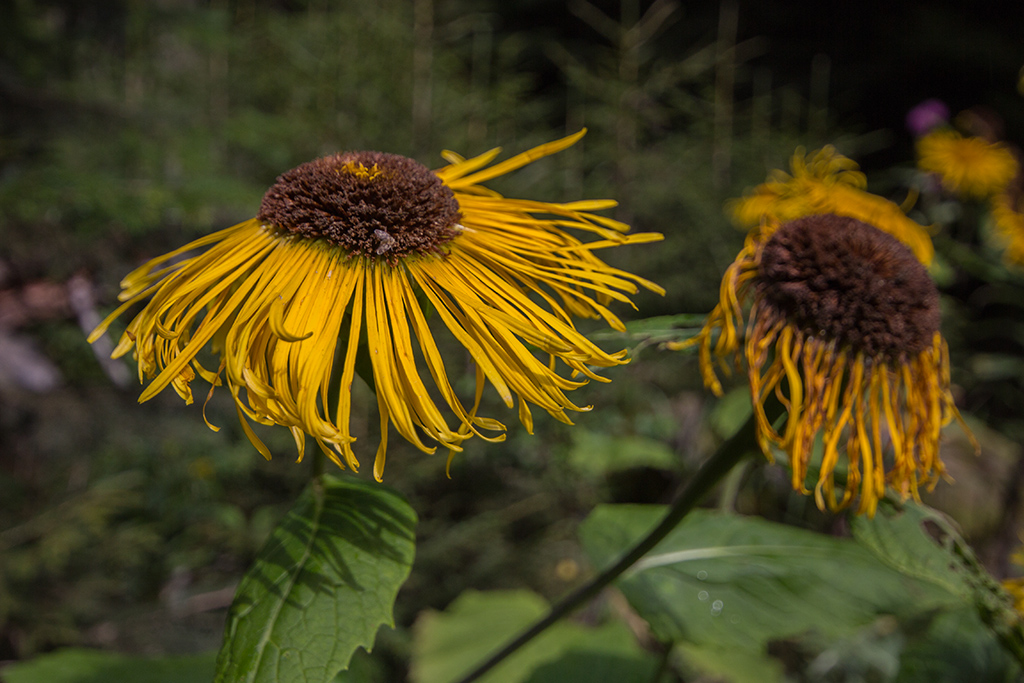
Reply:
x=345, y=260
x=1008, y=220
x=970, y=167
x=1015, y=586
x=827, y=182
x=843, y=327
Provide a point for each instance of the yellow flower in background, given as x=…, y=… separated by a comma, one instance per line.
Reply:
x=827, y=182
x=843, y=327
x=1008, y=221
x=346, y=259
x=971, y=167
x=1015, y=586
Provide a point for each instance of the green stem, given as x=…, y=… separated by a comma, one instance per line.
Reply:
x=319, y=460
x=666, y=653
x=731, y=488
x=728, y=455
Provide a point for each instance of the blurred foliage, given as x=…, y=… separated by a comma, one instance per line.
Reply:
x=736, y=592
x=129, y=127
x=63, y=564
x=91, y=666
x=449, y=643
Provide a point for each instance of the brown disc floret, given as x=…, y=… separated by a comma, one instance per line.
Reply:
x=841, y=279
x=371, y=204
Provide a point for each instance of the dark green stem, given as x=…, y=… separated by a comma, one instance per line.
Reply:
x=663, y=661
x=319, y=461
x=714, y=468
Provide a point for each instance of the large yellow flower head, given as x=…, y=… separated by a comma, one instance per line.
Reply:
x=843, y=327
x=346, y=259
x=827, y=182
x=971, y=167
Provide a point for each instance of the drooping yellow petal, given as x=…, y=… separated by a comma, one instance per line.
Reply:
x=289, y=310
x=883, y=407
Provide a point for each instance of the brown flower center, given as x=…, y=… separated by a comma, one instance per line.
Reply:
x=377, y=205
x=845, y=280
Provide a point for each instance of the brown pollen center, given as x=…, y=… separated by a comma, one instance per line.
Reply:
x=843, y=279
x=372, y=204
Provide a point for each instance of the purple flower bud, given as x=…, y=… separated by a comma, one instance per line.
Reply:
x=927, y=115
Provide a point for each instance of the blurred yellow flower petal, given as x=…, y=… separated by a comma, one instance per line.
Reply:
x=970, y=167
x=1008, y=220
x=827, y=182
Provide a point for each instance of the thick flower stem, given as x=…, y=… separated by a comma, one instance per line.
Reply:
x=728, y=455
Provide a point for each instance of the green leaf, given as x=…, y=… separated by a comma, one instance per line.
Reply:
x=77, y=665
x=730, y=585
x=957, y=647
x=595, y=454
x=898, y=538
x=447, y=645
x=322, y=585
x=940, y=555
x=730, y=412
x=737, y=666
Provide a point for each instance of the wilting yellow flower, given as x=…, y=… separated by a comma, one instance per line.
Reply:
x=970, y=167
x=843, y=326
x=827, y=182
x=1008, y=220
x=347, y=257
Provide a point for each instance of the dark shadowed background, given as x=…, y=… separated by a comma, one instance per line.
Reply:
x=128, y=128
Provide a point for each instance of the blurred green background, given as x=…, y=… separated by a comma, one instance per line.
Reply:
x=128, y=128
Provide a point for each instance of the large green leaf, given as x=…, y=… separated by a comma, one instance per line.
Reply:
x=449, y=644
x=897, y=537
x=321, y=587
x=923, y=543
x=730, y=584
x=78, y=665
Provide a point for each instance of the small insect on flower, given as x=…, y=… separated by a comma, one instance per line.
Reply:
x=386, y=241
x=348, y=252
